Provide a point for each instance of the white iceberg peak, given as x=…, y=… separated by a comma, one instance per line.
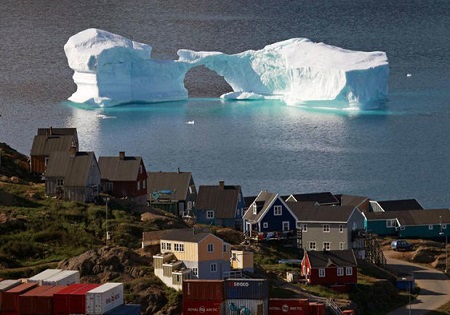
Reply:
x=110, y=69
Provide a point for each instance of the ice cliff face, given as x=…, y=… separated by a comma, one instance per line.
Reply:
x=110, y=69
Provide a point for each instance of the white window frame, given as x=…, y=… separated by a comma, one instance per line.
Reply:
x=322, y=273
x=348, y=271
x=213, y=267
x=210, y=214
x=326, y=228
x=210, y=247
x=340, y=271
x=390, y=223
x=277, y=210
x=341, y=228
x=341, y=245
x=285, y=226
x=195, y=271
x=143, y=184
x=430, y=226
x=138, y=183
x=304, y=228
x=326, y=246
x=444, y=226
x=312, y=246
x=265, y=225
x=178, y=247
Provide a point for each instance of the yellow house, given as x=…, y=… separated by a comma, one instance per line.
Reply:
x=187, y=253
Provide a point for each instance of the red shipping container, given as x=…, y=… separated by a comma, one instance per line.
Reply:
x=203, y=307
x=348, y=312
x=10, y=300
x=317, y=308
x=6, y=285
x=77, y=299
x=204, y=290
x=27, y=300
x=288, y=306
x=61, y=299
x=44, y=301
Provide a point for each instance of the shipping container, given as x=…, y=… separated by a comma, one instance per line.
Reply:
x=44, y=275
x=317, y=308
x=44, y=301
x=288, y=306
x=244, y=306
x=10, y=299
x=5, y=285
x=125, y=309
x=204, y=290
x=77, y=299
x=27, y=303
x=191, y=307
x=61, y=299
x=104, y=298
x=65, y=277
x=243, y=288
x=348, y=312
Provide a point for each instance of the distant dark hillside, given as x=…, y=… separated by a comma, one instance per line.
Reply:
x=13, y=163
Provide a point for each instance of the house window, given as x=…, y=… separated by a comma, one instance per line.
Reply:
x=210, y=214
x=326, y=245
x=143, y=184
x=168, y=246
x=402, y=228
x=277, y=210
x=341, y=228
x=224, y=248
x=326, y=228
x=210, y=248
x=304, y=227
x=255, y=209
x=286, y=226
x=213, y=267
x=312, y=245
x=195, y=271
x=444, y=226
x=140, y=169
x=340, y=271
x=390, y=223
x=138, y=185
x=60, y=182
x=265, y=225
x=178, y=247
x=348, y=271
x=341, y=245
x=430, y=226
x=322, y=273
x=177, y=279
x=165, y=246
x=46, y=161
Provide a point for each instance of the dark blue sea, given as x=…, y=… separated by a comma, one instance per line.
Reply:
x=399, y=151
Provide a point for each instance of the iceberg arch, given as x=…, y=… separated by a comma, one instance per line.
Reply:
x=110, y=69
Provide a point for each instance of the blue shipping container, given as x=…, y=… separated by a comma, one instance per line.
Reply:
x=125, y=309
x=253, y=289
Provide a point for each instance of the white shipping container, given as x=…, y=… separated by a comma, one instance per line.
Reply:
x=44, y=275
x=65, y=277
x=5, y=285
x=104, y=298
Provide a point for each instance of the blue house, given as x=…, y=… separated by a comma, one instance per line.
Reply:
x=221, y=205
x=269, y=217
x=382, y=223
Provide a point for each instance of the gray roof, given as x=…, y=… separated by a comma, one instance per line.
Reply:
x=221, y=198
x=413, y=217
x=351, y=200
x=113, y=168
x=184, y=235
x=309, y=212
x=263, y=201
x=57, y=131
x=322, y=198
x=323, y=259
x=178, y=182
x=74, y=169
x=44, y=145
x=397, y=205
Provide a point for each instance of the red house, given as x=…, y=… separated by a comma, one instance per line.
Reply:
x=336, y=268
x=124, y=177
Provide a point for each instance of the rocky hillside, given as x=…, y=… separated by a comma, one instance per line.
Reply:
x=120, y=264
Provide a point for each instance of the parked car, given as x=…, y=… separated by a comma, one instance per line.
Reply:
x=401, y=245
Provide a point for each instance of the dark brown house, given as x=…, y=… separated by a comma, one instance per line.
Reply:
x=48, y=140
x=73, y=176
x=124, y=177
x=172, y=191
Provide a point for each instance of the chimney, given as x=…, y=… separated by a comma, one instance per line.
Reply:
x=122, y=155
x=72, y=151
x=221, y=184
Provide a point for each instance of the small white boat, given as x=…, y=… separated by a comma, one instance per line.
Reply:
x=190, y=122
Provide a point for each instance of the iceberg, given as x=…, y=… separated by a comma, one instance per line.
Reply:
x=110, y=70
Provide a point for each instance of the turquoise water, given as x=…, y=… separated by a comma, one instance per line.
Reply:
x=399, y=151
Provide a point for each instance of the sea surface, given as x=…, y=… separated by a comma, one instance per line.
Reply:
x=399, y=151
